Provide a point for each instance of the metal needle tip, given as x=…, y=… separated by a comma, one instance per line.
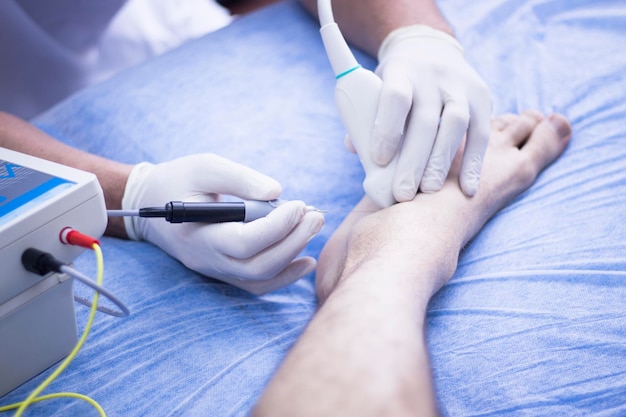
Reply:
x=311, y=208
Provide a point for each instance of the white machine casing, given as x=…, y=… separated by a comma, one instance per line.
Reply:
x=37, y=318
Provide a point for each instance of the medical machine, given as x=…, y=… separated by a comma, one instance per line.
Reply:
x=38, y=201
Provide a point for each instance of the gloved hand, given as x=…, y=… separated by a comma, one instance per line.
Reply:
x=425, y=78
x=257, y=256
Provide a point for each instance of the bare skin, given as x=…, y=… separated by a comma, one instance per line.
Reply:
x=364, y=353
x=516, y=168
x=366, y=23
x=22, y=136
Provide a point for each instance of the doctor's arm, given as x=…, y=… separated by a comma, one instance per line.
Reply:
x=21, y=136
x=259, y=256
x=366, y=23
x=426, y=82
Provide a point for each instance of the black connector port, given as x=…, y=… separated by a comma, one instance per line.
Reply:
x=39, y=262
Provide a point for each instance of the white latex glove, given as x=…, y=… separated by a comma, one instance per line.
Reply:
x=257, y=256
x=425, y=78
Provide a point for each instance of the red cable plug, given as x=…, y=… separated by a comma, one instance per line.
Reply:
x=70, y=236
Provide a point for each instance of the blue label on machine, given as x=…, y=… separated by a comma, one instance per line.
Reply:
x=22, y=189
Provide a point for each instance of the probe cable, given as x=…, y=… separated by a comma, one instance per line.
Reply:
x=33, y=397
x=42, y=263
x=123, y=309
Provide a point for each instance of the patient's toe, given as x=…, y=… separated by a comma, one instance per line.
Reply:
x=518, y=130
x=547, y=141
x=502, y=121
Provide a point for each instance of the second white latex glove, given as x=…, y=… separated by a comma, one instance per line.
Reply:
x=430, y=99
x=258, y=256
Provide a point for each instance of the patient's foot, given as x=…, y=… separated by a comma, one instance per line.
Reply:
x=439, y=224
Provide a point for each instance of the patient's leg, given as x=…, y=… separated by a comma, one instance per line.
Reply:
x=520, y=147
x=365, y=353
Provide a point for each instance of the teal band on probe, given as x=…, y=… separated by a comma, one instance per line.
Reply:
x=347, y=72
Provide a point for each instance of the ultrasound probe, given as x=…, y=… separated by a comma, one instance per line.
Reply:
x=356, y=93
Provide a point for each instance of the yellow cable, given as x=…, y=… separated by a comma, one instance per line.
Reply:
x=32, y=398
x=58, y=395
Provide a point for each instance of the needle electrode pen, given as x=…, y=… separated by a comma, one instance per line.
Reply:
x=209, y=212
